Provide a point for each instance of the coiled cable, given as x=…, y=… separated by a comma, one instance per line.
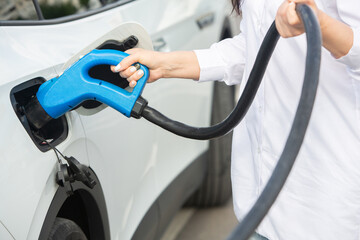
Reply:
x=298, y=129
x=297, y=132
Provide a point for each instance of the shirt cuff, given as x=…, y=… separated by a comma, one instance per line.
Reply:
x=352, y=59
x=212, y=68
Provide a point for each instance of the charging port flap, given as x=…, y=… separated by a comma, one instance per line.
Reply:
x=56, y=131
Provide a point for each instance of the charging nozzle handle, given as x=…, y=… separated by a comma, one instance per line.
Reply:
x=113, y=57
x=59, y=95
x=114, y=96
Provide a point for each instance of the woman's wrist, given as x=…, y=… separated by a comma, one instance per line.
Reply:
x=322, y=19
x=167, y=64
x=181, y=64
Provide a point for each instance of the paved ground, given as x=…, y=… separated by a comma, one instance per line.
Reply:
x=202, y=224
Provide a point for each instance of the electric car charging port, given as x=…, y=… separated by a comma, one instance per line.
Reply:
x=55, y=131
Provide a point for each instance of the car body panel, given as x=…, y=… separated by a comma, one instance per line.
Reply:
x=22, y=164
x=4, y=233
x=134, y=160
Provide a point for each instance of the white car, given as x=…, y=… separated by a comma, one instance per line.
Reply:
x=142, y=174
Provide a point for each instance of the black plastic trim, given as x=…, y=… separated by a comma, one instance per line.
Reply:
x=36, y=114
x=38, y=10
x=19, y=110
x=66, y=18
x=94, y=203
x=161, y=212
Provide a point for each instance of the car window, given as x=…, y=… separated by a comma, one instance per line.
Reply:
x=12, y=12
x=17, y=10
x=60, y=8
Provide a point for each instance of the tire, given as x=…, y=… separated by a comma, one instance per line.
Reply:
x=216, y=187
x=65, y=229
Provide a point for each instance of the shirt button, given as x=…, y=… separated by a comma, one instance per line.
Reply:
x=259, y=150
x=260, y=108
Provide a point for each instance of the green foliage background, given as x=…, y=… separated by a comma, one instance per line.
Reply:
x=61, y=9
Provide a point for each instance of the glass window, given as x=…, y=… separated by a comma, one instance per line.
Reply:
x=50, y=9
x=60, y=8
x=17, y=10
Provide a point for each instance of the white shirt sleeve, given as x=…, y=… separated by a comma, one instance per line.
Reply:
x=224, y=61
x=349, y=13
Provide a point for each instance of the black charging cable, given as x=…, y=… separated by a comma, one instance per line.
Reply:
x=241, y=108
x=298, y=129
x=47, y=142
x=297, y=132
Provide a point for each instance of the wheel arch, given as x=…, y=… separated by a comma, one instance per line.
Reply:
x=86, y=207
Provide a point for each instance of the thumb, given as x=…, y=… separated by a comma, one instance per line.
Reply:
x=126, y=63
x=134, y=57
x=133, y=50
x=292, y=16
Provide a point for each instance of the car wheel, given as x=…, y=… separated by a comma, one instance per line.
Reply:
x=65, y=229
x=216, y=187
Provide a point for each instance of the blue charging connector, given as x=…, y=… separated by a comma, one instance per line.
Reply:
x=61, y=94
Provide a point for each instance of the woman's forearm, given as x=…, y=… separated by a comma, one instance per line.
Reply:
x=182, y=64
x=337, y=36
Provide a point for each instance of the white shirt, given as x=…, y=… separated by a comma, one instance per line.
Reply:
x=321, y=199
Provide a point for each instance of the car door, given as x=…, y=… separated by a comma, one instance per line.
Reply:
x=136, y=160
x=128, y=154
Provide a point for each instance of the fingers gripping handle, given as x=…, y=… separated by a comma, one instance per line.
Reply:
x=112, y=95
x=59, y=95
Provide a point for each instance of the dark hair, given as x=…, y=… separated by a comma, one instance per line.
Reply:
x=236, y=5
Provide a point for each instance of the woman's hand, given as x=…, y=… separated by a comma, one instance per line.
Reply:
x=160, y=64
x=337, y=36
x=153, y=60
x=288, y=23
